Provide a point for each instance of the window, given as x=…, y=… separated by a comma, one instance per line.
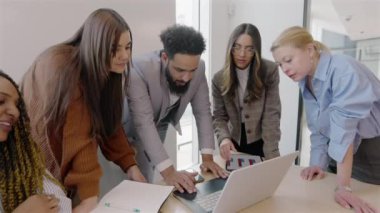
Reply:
x=190, y=13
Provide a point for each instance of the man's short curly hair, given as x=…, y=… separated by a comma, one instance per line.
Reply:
x=182, y=39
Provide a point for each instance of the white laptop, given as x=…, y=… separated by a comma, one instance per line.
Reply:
x=243, y=188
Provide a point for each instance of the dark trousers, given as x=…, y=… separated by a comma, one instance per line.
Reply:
x=254, y=148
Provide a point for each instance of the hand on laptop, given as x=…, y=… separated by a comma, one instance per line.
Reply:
x=182, y=180
x=208, y=164
x=312, y=172
x=225, y=148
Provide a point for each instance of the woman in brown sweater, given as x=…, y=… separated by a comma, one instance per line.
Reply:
x=74, y=96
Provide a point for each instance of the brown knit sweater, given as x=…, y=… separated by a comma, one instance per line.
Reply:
x=73, y=159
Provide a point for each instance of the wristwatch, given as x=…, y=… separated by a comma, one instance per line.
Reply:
x=346, y=188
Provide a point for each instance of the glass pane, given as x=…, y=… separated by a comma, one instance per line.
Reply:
x=185, y=141
x=187, y=13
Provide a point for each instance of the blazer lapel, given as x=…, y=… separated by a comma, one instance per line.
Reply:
x=165, y=92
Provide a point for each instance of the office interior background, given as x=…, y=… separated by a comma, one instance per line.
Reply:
x=27, y=27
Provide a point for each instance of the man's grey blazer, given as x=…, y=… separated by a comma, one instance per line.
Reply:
x=148, y=100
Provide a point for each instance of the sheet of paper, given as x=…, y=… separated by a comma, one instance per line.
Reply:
x=240, y=160
x=132, y=196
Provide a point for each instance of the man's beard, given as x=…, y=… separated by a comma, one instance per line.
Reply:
x=173, y=87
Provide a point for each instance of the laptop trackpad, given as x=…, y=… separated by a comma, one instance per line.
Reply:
x=210, y=186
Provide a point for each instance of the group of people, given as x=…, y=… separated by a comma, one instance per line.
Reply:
x=87, y=92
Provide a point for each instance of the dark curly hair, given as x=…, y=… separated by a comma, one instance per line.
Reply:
x=182, y=39
x=22, y=167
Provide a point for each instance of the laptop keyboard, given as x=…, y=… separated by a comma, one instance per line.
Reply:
x=209, y=201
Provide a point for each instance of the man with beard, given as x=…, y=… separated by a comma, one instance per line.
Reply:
x=161, y=85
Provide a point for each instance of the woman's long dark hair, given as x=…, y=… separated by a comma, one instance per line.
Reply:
x=22, y=168
x=256, y=76
x=88, y=73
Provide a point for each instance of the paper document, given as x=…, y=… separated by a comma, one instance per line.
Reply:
x=240, y=160
x=132, y=196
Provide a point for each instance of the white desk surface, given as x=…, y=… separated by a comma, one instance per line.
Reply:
x=297, y=195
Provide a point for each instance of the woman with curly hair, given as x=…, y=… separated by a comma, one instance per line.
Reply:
x=25, y=184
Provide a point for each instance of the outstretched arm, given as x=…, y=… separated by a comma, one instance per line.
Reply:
x=202, y=112
x=343, y=192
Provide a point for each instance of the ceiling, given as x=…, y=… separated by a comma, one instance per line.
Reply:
x=358, y=19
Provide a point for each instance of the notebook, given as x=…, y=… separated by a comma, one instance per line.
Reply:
x=133, y=196
x=243, y=188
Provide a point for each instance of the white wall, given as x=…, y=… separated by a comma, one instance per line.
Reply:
x=271, y=17
x=27, y=27
x=219, y=32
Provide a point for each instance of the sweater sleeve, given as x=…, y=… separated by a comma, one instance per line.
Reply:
x=79, y=166
x=118, y=150
x=80, y=160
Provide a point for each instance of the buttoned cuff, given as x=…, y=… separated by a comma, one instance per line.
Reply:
x=338, y=151
x=164, y=165
x=319, y=159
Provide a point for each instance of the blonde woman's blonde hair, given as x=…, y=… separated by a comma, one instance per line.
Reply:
x=297, y=37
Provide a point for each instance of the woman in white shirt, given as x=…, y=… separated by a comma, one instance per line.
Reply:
x=25, y=184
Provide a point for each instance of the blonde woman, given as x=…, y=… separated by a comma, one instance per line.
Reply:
x=342, y=102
